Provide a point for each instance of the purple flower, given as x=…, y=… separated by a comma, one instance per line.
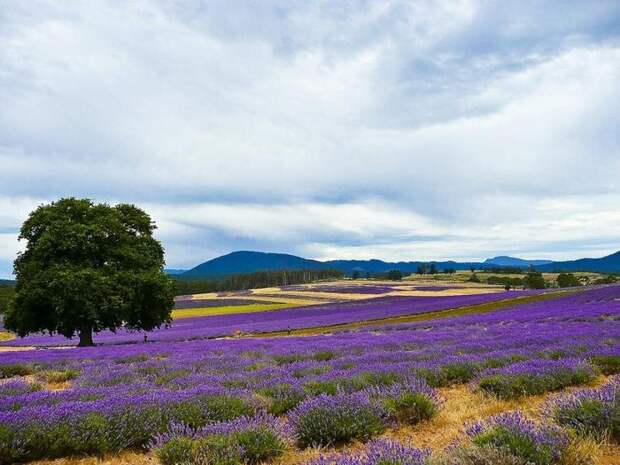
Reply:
x=539, y=444
x=377, y=452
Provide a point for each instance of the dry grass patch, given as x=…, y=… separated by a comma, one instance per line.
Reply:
x=461, y=406
x=124, y=458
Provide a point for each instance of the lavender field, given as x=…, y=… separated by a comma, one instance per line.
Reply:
x=258, y=400
x=288, y=319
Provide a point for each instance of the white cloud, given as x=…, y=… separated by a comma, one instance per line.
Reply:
x=395, y=128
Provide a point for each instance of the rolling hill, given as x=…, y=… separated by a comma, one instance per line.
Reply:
x=249, y=261
x=504, y=260
x=608, y=264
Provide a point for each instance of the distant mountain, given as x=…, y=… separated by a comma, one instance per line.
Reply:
x=608, y=264
x=7, y=282
x=506, y=261
x=248, y=262
x=173, y=271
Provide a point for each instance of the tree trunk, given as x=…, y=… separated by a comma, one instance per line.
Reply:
x=86, y=337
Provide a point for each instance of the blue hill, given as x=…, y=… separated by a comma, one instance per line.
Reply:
x=504, y=260
x=608, y=264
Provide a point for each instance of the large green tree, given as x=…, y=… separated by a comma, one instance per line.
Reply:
x=89, y=267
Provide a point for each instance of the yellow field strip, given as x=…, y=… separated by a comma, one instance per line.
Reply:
x=209, y=311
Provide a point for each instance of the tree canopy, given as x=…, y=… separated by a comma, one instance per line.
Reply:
x=395, y=275
x=89, y=267
x=534, y=280
x=568, y=280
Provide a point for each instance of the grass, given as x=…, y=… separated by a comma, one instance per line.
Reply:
x=460, y=311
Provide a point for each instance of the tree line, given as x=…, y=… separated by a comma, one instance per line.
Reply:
x=258, y=279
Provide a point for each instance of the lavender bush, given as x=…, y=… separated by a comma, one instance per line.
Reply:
x=409, y=402
x=377, y=452
x=245, y=440
x=589, y=412
x=327, y=420
x=538, y=445
x=475, y=455
x=534, y=377
x=125, y=394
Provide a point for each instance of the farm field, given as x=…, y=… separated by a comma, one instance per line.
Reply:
x=398, y=390
x=294, y=313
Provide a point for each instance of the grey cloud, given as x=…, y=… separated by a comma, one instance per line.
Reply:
x=460, y=112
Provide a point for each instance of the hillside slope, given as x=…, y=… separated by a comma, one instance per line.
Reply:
x=608, y=264
x=248, y=262
x=504, y=260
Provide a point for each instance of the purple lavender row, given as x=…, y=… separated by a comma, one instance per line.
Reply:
x=205, y=381
x=282, y=320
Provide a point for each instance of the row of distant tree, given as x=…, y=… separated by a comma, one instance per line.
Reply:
x=254, y=280
x=536, y=280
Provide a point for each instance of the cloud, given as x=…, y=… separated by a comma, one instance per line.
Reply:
x=390, y=128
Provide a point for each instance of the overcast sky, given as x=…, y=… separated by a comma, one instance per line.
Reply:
x=398, y=130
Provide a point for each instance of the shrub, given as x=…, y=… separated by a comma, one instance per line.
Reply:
x=567, y=280
x=226, y=408
x=326, y=420
x=372, y=378
x=448, y=374
x=410, y=407
x=206, y=409
x=589, y=412
x=534, y=377
x=217, y=450
x=316, y=388
x=177, y=451
x=259, y=444
x=259, y=438
x=458, y=372
x=57, y=376
x=484, y=455
x=132, y=359
x=538, y=445
x=17, y=387
x=15, y=369
x=534, y=280
x=324, y=356
x=500, y=362
x=609, y=279
x=291, y=358
x=409, y=402
x=607, y=364
x=213, y=450
x=282, y=398
x=432, y=377
x=378, y=452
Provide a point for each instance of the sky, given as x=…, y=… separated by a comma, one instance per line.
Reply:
x=399, y=130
